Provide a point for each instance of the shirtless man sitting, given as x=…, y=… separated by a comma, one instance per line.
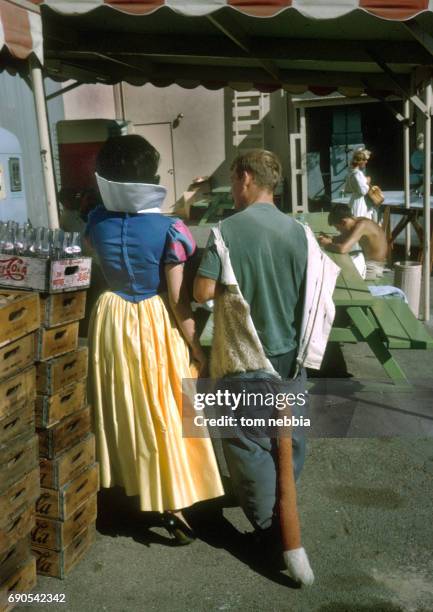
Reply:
x=357, y=230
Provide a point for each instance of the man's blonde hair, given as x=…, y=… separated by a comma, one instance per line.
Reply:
x=264, y=167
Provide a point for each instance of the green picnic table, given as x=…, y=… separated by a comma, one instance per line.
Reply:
x=383, y=324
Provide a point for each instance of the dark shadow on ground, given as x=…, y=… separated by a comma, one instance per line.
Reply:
x=380, y=606
x=119, y=515
x=212, y=527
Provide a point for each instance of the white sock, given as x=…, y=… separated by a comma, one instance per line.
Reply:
x=298, y=566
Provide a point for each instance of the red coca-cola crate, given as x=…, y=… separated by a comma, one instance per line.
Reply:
x=47, y=275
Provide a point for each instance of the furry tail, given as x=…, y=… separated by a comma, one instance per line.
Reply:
x=298, y=566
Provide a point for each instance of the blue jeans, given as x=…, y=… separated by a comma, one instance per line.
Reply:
x=251, y=458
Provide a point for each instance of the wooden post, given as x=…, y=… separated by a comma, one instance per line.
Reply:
x=44, y=143
x=427, y=209
x=303, y=146
x=406, y=170
x=292, y=121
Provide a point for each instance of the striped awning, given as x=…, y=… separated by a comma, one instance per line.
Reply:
x=350, y=46
x=317, y=9
x=20, y=32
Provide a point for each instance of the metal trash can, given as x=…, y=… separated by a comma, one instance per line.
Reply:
x=408, y=277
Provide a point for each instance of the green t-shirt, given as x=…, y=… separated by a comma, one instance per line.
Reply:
x=268, y=252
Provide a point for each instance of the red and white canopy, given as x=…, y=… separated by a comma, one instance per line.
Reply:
x=345, y=45
x=20, y=32
x=317, y=9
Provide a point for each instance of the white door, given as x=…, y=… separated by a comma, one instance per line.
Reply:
x=159, y=135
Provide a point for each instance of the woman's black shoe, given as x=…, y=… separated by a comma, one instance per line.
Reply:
x=180, y=532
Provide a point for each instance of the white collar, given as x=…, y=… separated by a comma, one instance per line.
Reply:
x=131, y=197
x=157, y=209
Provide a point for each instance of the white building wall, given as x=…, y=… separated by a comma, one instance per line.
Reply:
x=198, y=140
x=203, y=139
x=89, y=102
x=17, y=114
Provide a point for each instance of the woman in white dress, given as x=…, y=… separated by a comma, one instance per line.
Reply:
x=357, y=184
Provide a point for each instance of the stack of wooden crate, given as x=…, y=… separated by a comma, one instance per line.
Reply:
x=66, y=508
x=19, y=470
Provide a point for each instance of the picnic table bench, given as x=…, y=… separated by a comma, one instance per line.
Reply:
x=383, y=324
x=400, y=328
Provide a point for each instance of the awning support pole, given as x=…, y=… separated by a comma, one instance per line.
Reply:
x=62, y=91
x=406, y=170
x=236, y=34
x=417, y=31
x=398, y=116
x=45, y=145
x=394, y=78
x=427, y=189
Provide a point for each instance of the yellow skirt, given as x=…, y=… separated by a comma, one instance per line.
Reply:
x=138, y=359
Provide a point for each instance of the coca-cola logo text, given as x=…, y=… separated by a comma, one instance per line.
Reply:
x=13, y=269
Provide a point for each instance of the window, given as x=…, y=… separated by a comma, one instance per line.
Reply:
x=15, y=174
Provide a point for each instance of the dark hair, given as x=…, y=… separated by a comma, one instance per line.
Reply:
x=128, y=159
x=338, y=213
x=69, y=198
x=264, y=167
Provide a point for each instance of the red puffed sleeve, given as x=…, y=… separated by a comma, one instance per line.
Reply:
x=180, y=244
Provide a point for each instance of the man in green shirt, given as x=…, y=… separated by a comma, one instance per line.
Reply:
x=268, y=253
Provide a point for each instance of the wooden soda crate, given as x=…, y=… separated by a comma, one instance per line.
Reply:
x=17, y=391
x=23, y=580
x=68, y=465
x=16, y=528
x=59, y=564
x=20, y=495
x=17, y=458
x=57, y=535
x=19, y=314
x=56, y=341
x=17, y=423
x=17, y=356
x=51, y=409
x=61, y=308
x=60, y=504
x=13, y=558
x=45, y=275
x=53, y=375
x=64, y=434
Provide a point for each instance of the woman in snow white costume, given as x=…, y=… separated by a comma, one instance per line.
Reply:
x=143, y=341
